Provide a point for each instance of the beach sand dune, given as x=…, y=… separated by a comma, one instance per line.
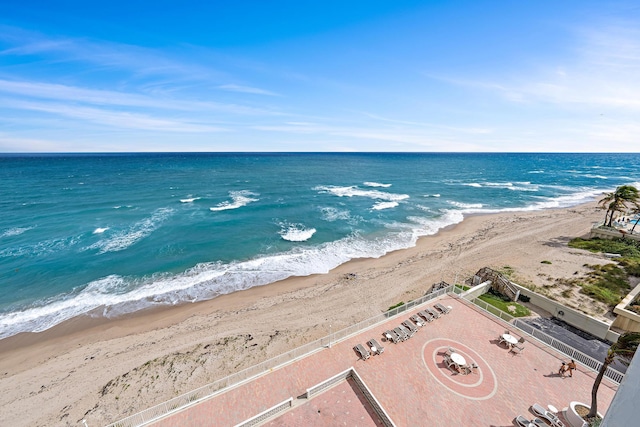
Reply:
x=102, y=371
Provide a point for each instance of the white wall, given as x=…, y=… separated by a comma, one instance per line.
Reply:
x=573, y=317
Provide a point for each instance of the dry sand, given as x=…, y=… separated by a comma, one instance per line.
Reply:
x=105, y=370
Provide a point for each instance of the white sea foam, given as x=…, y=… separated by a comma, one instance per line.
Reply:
x=190, y=200
x=596, y=176
x=40, y=248
x=329, y=213
x=15, y=231
x=473, y=184
x=114, y=295
x=354, y=191
x=121, y=240
x=238, y=200
x=536, y=171
x=100, y=230
x=499, y=184
x=376, y=184
x=384, y=205
x=296, y=232
x=465, y=205
x=432, y=195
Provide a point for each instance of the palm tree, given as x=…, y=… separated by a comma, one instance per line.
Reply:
x=622, y=350
x=617, y=201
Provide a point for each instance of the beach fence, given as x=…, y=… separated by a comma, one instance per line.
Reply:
x=208, y=391
x=612, y=374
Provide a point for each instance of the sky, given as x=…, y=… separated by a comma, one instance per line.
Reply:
x=339, y=76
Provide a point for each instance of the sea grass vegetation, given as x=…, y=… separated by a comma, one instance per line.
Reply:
x=609, y=283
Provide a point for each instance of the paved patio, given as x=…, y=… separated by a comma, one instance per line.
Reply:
x=410, y=380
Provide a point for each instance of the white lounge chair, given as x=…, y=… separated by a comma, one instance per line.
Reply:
x=375, y=346
x=536, y=422
x=546, y=415
x=409, y=325
x=363, y=352
x=426, y=316
x=401, y=333
x=391, y=336
x=436, y=314
x=417, y=320
x=408, y=332
x=442, y=308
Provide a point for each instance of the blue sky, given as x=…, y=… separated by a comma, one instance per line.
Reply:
x=320, y=76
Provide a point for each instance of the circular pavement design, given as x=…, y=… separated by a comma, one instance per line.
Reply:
x=480, y=386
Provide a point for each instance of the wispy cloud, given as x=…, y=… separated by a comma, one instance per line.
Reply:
x=116, y=119
x=165, y=101
x=601, y=73
x=247, y=89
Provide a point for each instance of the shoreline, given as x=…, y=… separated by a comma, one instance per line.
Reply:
x=163, y=315
x=69, y=370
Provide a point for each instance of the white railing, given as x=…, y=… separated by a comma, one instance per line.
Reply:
x=318, y=388
x=280, y=407
x=386, y=420
x=154, y=413
x=550, y=341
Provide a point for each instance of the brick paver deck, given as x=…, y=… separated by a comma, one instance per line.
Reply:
x=341, y=405
x=411, y=381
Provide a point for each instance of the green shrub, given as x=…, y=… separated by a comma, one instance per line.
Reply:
x=545, y=262
x=401, y=303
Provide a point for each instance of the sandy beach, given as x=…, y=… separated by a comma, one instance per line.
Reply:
x=102, y=370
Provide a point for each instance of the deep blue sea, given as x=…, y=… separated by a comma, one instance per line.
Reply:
x=115, y=233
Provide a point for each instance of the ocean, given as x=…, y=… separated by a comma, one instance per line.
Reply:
x=110, y=234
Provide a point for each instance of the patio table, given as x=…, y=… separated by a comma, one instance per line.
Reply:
x=510, y=339
x=458, y=359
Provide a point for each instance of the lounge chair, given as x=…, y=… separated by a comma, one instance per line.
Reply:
x=426, y=316
x=442, y=308
x=401, y=333
x=523, y=422
x=375, y=346
x=363, y=352
x=546, y=415
x=409, y=325
x=417, y=320
x=408, y=332
x=432, y=312
x=391, y=336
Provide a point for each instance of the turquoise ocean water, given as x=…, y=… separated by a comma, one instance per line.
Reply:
x=112, y=234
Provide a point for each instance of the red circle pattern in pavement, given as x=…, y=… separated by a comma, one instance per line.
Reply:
x=478, y=386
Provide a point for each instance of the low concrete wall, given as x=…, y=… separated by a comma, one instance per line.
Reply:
x=573, y=317
x=627, y=320
x=604, y=233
